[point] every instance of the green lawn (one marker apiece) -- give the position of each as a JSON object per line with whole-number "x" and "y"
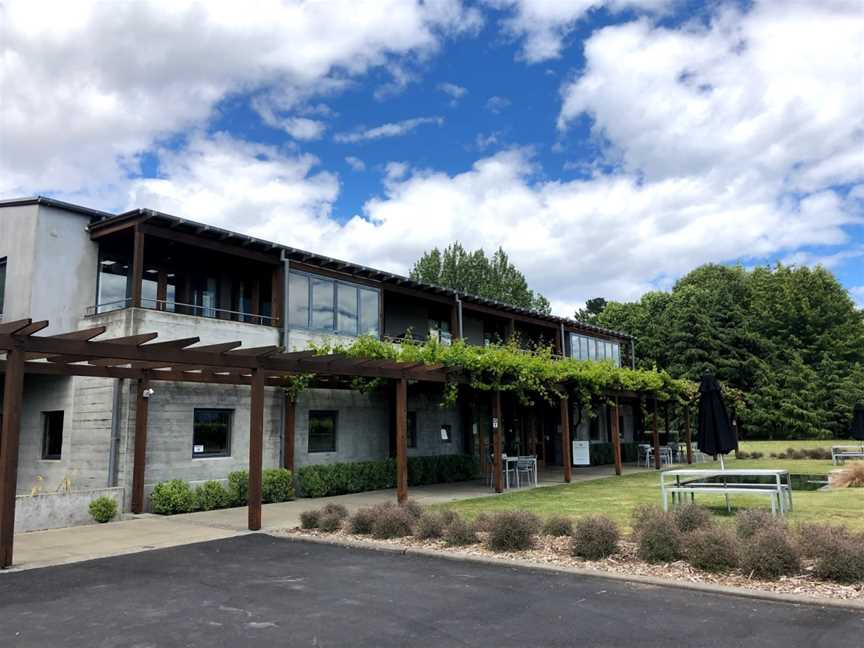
{"x": 781, "y": 446}
{"x": 618, "y": 496}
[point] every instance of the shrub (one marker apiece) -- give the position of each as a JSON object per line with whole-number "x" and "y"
{"x": 838, "y": 552}
{"x": 558, "y": 526}
{"x": 329, "y": 522}
{"x": 741, "y": 454}
{"x": 392, "y": 522}
{"x": 512, "y": 530}
{"x": 173, "y": 496}
{"x": 335, "y": 509}
{"x": 852, "y": 476}
{"x": 818, "y": 453}
{"x": 211, "y": 495}
{"x": 430, "y": 525}
{"x": 643, "y": 515}
{"x": 238, "y": 487}
{"x": 413, "y": 508}
{"x": 659, "y": 539}
{"x": 594, "y": 538}
{"x": 309, "y": 519}
{"x": 362, "y": 520}
{"x": 277, "y": 485}
{"x": 814, "y": 539}
{"x": 482, "y": 523}
{"x": 750, "y": 521}
{"x": 711, "y": 549}
{"x": 691, "y": 517}
{"x": 103, "y": 509}
{"x": 757, "y": 455}
{"x": 770, "y": 553}
{"x": 459, "y": 533}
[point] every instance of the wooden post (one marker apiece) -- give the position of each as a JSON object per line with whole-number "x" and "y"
{"x": 616, "y": 437}
{"x": 454, "y": 321}
{"x": 401, "y": 440}
{"x": 13, "y": 392}
{"x": 139, "y": 462}
{"x": 256, "y": 448}
{"x": 656, "y": 436}
{"x": 565, "y": 439}
{"x": 497, "y": 424}
{"x": 137, "y": 266}
{"x": 288, "y": 433}
{"x": 688, "y": 435}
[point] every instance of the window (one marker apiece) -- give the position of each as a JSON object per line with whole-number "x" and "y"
{"x": 322, "y": 431}
{"x": 211, "y": 435}
{"x": 412, "y": 429}
{"x": 447, "y": 433}
{"x": 52, "y": 435}
{"x": 333, "y": 306}
{"x": 583, "y": 347}
{"x": 113, "y": 290}
{"x": 2, "y": 283}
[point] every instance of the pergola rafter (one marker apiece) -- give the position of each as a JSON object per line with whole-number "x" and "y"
{"x": 138, "y": 358}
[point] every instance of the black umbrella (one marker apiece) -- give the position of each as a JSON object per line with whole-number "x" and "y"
{"x": 858, "y": 422}
{"x": 716, "y": 435}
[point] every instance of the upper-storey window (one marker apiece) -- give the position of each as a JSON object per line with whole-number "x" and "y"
{"x": 585, "y": 347}
{"x": 2, "y": 283}
{"x": 114, "y": 288}
{"x": 323, "y": 304}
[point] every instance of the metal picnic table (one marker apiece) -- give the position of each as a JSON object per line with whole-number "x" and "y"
{"x": 679, "y": 482}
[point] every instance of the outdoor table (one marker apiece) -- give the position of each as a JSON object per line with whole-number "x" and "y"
{"x": 671, "y": 484}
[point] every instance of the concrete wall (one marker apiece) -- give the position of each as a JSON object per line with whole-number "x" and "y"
{"x": 57, "y": 510}
{"x": 18, "y": 244}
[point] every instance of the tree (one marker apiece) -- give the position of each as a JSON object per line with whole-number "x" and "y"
{"x": 476, "y": 274}
{"x": 593, "y": 308}
{"x": 790, "y": 338}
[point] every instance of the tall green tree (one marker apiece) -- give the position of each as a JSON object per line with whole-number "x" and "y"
{"x": 475, "y": 273}
{"x": 790, "y": 337}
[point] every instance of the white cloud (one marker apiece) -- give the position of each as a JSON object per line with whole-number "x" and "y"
{"x": 88, "y": 86}
{"x": 355, "y": 163}
{"x": 392, "y": 129}
{"x": 455, "y": 92}
{"x": 497, "y": 104}
{"x": 544, "y": 24}
{"x": 857, "y": 293}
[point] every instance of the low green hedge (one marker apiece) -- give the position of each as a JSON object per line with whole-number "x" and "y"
{"x": 178, "y": 496}
{"x": 603, "y": 454}
{"x": 322, "y": 480}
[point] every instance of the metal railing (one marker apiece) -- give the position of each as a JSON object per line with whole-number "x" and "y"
{"x": 196, "y": 310}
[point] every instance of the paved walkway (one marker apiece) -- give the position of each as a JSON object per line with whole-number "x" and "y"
{"x": 260, "y": 590}
{"x": 141, "y": 533}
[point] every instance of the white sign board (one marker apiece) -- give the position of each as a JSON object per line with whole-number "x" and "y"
{"x": 197, "y": 449}
{"x": 494, "y": 423}
{"x": 581, "y": 453}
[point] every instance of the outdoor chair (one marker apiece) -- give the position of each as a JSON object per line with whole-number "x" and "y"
{"x": 526, "y": 466}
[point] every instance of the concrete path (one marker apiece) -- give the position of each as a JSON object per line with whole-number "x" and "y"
{"x": 59, "y": 546}
{"x": 259, "y": 590}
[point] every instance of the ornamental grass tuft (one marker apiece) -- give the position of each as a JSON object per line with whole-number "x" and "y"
{"x": 594, "y": 538}
{"x": 512, "y": 531}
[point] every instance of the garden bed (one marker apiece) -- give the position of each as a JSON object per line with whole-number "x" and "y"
{"x": 552, "y": 551}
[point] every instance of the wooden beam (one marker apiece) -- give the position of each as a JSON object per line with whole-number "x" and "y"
{"x": 565, "y": 439}
{"x": 256, "y": 448}
{"x": 656, "y": 438}
{"x": 33, "y": 327}
{"x": 13, "y": 392}
{"x": 289, "y": 424}
{"x": 12, "y": 327}
{"x": 137, "y": 273}
{"x": 139, "y": 461}
{"x": 616, "y": 438}
{"x": 209, "y": 244}
{"x": 497, "y": 424}
{"x": 688, "y": 435}
{"x": 401, "y": 440}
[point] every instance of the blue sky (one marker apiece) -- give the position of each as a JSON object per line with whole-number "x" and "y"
{"x": 609, "y": 146}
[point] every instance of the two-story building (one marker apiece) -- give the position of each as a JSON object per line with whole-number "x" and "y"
{"x": 145, "y": 271}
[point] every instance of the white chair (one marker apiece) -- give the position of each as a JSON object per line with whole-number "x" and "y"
{"x": 526, "y": 466}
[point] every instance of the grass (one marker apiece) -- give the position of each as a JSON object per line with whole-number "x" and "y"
{"x": 618, "y": 496}
{"x": 781, "y": 446}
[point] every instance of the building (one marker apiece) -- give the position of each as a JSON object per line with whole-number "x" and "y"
{"x": 144, "y": 271}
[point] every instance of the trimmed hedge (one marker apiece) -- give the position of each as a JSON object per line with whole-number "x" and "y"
{"x": 277, "y": 485}
{"x": 172, "y": 496}
{"x": 322, "y": 480}
{"x": 602, "y": 453}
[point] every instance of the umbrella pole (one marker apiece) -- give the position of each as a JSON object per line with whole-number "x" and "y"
{"x": 723, "y": 468}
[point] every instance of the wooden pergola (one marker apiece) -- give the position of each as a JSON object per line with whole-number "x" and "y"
{"x": 138, "y": 358}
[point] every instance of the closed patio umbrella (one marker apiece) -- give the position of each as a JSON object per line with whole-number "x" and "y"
{"x": 858, "y": 422}
{"x": 716, "y": 434}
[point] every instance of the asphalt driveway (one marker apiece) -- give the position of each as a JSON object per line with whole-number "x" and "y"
{"x": 257, "y": 590}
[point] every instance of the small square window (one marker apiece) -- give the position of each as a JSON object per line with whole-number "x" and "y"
{"x": 412, "y": 429}
{"x": 447, "y": 433}
{"x": 211, "y": 435}
{"x": 52, "y": 435}
{"x": 322, "y": 430}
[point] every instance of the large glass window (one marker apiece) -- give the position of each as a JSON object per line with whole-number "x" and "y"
{"x": 584, "y": 347}
{"x": 322, "y": 430}
{"x": 334, "y": 306}
{"x": 211, "y": 435}
{"x": 346, "y": 309}
{"x": 52, "y": 435}
{"x": 113, "y": 280}
{"x": 2, "y": 283}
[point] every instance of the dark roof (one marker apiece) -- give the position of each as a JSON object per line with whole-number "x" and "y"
{"x": 59, "y": 204}
{"x": 295, "y": 254}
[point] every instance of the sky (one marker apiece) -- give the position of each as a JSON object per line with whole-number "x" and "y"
{"x": 608, "y": 146}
